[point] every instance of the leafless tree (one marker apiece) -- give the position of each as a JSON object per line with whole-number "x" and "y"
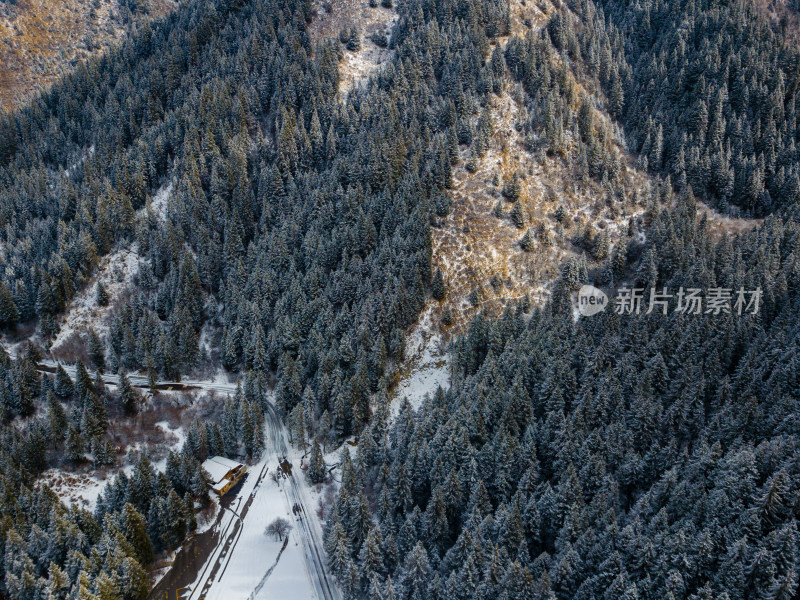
{"x": 279, "y": 528}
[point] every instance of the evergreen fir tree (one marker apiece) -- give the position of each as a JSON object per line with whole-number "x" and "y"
{"x": 316, "y": 465}
{"x": 129, "y": 398}
{"x": 97, "y": 353}
{"x": 101, "y": 295}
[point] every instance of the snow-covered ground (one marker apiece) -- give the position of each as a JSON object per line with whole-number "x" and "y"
{"x": 175, "y": 438}
{"x": 255, "y": 553}
{"x": 427, "y": 364}
{"x": 355, "y": 68}
{"x": 115, "y": 272}
{"x": 83, "y": 490}
{"x": 177, "y": 433}
{"x": 224, "y": 527}
{"x": 79, "y": 490}
{"x": 158, "y": 202}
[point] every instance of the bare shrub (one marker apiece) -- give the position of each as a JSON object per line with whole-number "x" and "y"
{"x": 72, "y": 349}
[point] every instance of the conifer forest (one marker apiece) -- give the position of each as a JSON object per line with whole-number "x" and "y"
{"x": 401, "y": 300}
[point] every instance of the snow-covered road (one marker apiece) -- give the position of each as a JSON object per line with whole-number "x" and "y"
{"x": 306, "y": 523}
{"x": 143, "y": 382}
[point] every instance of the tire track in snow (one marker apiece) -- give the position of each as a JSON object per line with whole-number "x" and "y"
{"x": 269, "y": 571}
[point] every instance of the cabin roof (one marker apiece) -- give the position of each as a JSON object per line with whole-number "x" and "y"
{"x": 218, "y": 467}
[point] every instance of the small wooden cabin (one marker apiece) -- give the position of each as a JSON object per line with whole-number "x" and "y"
{"x": 223, "y": 473}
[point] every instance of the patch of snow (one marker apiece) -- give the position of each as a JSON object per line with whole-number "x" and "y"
{"x": 720, "y": 223}
{"x": 158, "y": 202}
{"x": 177, "y": 433}
{"x": 73, "y": 489}
{"x": 84, "y": 490}
{"x": 427, "y": 364}
{"x": 356, "y": 67}
{"x": 89, "y": 153}
{"x": 175, "y": 439}
{"x": 206, "y": 520}
{"x": 332, "y": 16}
{"x": 158, "y": 575}
{"x": 116, "y": 272}
{"x": 221, "y": 377}
{"x": 205, "y": 341}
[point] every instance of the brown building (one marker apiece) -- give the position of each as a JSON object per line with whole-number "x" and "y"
{"x": 223, "y": 473}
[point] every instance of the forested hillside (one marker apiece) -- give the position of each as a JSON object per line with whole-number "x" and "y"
{"x": 50, "y": 550}
{"x": 296, "y": 236}
{"x": 621, "y": 456}
{"x": 280, "y": 231}
{"x": 707, "y": 92}
{"x": 296, "y": 228}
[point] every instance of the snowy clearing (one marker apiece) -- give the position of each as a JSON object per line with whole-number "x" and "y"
{"x": 78, "y": 490}
{"x": 83, "y": 489}
{"x": 355, "y": 68}
{"x": 116, "y": 272}
{"x": 158, "y": 202}
{"x": 255, "y": 553}
{"x": 426, "y": 367}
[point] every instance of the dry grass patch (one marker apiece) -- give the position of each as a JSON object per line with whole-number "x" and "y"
{"x": 41, "y": 40}
{"x": 477, "y": 246}
{"x": 720, "y": 224}
{"x": 331, "y": 16}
